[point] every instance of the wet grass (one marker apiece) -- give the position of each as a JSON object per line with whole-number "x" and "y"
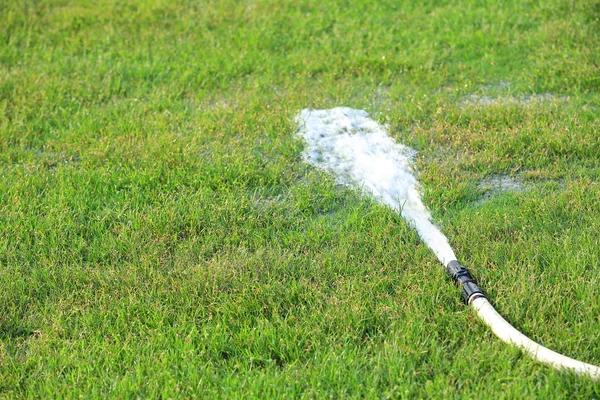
{"x": 160, "y": 236}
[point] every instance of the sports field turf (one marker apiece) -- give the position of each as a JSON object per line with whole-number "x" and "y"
{"x": 161, "y": 237}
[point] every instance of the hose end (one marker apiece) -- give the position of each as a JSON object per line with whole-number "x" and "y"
{"x": 461, "y": 276}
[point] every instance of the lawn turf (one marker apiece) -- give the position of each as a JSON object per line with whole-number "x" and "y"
{"x": 160, "y": 236}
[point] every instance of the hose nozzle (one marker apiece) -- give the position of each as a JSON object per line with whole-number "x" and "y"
{"x": 462, "y": 277}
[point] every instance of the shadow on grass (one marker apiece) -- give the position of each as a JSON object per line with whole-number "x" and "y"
{"x": 14, "y": 332}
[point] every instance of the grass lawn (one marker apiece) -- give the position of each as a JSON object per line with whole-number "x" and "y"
{"x": 161, "y": 237}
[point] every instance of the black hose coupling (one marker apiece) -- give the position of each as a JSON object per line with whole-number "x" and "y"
{"x": 462, "y": 277}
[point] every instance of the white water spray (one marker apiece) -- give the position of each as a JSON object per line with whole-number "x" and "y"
{"x": 357, "y": 151}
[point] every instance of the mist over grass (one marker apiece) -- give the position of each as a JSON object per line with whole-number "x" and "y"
{"x": 161, "y": 237}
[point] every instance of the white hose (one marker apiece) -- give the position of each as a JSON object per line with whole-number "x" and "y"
{"x": 509, "y": 334}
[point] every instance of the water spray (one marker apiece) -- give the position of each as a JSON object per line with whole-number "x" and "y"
{"x": 358, "y": 152}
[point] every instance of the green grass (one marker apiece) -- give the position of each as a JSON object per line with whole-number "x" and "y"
{"x": 160, "y": 236}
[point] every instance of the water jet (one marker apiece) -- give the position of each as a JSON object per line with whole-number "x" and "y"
{"x": 358, "y": 152}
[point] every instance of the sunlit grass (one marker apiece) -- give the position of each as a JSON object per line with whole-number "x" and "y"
{"x": 160, "y": 236}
